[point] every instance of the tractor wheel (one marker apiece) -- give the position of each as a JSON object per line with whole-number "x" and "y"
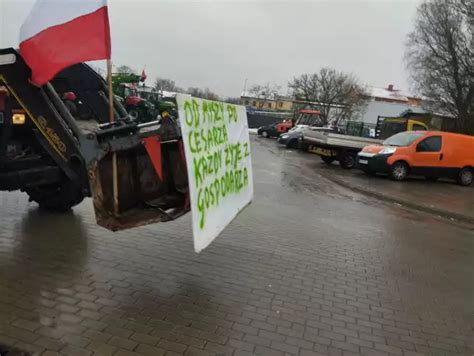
{"x": 399, "y": 171}
{"x": 60, "y": 197}
{"x": 465, "y": 177}
{"x": 133, "y": 112}
{"x": 327, "y": 160}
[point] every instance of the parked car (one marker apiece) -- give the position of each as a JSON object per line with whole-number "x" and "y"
{"x": 431, "y": 154}
{"x": 268, "y": 130}
{"x": 304, "y": 118}
{"x": 293, "y": 138}
{"x": 276, "y": 129}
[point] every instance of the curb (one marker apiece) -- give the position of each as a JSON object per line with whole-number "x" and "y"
{"x": 427, "y": 209}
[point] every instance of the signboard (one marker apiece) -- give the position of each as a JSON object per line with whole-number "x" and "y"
{"x": 217, "y": 148}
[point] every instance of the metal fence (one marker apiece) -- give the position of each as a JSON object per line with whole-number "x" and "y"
{"x": 256, "y": 120}
{"x": 359, "y": 128}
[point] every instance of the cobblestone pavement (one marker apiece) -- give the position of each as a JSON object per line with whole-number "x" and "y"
{"x": 444, "y": 197}
{"x": 309, "y": 268}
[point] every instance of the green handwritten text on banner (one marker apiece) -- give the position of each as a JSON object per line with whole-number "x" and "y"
{"x": 217, "y": 148}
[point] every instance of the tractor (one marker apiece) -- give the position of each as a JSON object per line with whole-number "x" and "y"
{"x": 134, "y": 172}
{"x": 125, "y": 87}
{"x": 156, "y": 98}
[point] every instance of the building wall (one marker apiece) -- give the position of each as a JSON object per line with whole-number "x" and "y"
{"x": 270, "y": 105}
{"x": 414, "y": 102}
{"x": 375, "y": 107}
{"x": 382, "y": 108}
{"x": 284, "y": 105}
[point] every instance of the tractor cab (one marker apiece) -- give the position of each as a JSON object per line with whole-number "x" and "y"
{"x": 139, "y": 108}
{"x": 125, "y": 87}
{"x": 156, "y": 98}
{"x": 130, "y": 94}
{"x": 125, "y": 90}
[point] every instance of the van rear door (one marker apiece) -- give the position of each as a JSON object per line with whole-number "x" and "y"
{"x": 428, "y": 156}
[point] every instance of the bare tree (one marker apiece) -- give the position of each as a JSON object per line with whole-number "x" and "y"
{"x": 124, "y": 70}
{"x": 202, "y": 93}
{"x": 232, "y": 100}
{"x": 440, "y": 57}
{"x": 167, "y": 84}
{"x": 337, "y": 95}
{"x": 265, "y": 94}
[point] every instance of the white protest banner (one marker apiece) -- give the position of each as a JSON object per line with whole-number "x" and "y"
{"x": 217, "y": 148}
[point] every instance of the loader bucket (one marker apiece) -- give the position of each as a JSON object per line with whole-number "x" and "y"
{"x": 151, "y": 185}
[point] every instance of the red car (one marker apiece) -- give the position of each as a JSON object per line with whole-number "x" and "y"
{"x": 305, "y": 117}
{"x": 276, "y": 129}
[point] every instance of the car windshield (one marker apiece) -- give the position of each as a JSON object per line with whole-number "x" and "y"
{"x": 402, "y": 139}
{"x": 309, "y": 119}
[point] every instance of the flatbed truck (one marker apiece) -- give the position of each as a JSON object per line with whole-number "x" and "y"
{"x": 344, "y": 148}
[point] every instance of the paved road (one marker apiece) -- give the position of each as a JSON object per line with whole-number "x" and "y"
{"x": 309, "y": 268}
{"x": 444, "y": 197}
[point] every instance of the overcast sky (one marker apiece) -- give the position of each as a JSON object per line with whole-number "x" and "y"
{"x": 218, "y": 44}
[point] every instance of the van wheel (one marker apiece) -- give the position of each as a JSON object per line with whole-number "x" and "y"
{"x": 465, "y": 177}
{"x": 399, "y": 171}
{"x": 265, "y": 134}
{"x": 327, "y": 160}
{"x": 348, "y": 160}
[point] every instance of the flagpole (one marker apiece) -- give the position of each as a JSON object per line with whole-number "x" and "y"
{"x": 114, "y": 155}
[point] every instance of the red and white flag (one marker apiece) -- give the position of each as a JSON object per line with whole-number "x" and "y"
{"x": 60, "y": 33}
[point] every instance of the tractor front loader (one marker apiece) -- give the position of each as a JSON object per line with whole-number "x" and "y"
{"x": 58, "y": 157}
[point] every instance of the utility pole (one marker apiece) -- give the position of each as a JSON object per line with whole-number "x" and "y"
{"x": 245, "y": 85}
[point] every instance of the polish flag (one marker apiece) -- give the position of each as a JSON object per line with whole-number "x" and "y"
{"x": 60, "y": 33}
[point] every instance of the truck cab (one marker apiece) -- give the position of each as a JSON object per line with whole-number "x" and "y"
{"x": 305, "y": 118}
{"x": 389, "y": 126}
{"x": 308, "y": 118}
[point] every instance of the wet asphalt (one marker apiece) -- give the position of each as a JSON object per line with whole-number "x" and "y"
{"x": 309, "y": 268}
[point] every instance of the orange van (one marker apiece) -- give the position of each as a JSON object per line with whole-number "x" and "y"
{"x": 431, "y": 154}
